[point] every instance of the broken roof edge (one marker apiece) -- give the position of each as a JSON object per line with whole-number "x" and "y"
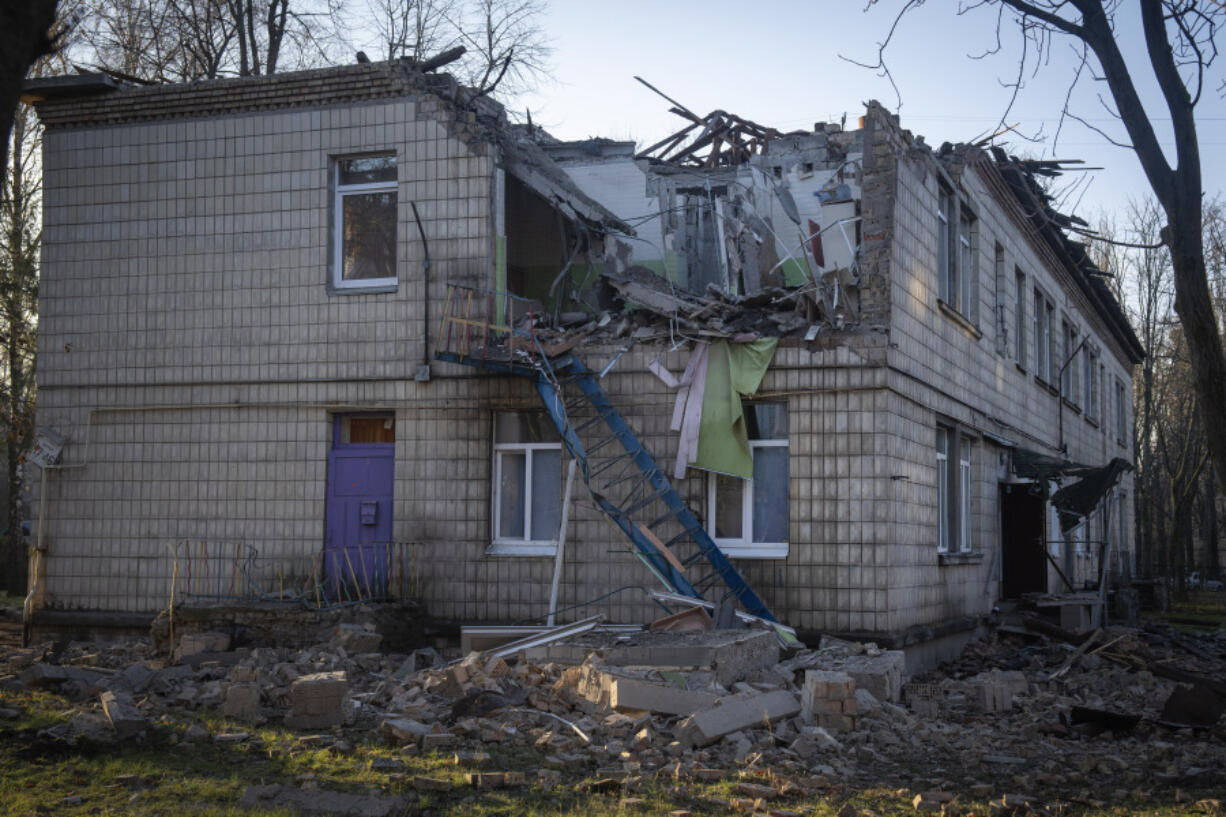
{"x": 527, "y": 161}
{"x": 1068, "y": 254}
{"x": 99, "y": 99}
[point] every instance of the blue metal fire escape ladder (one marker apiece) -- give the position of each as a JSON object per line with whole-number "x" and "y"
{"x": 622, "y": 483}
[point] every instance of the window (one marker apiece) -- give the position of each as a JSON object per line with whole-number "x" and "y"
{"x": 1069, "y": 380}
{"x": 1121, "y": 413}
{"x": 1043, "y": 311}
{"x": 954, "y": 491}
{"x": 1090, "y": 381}
{"x": 1019, "y": 319}
{"x": 955, "y": 253}
{"x": 999, "y": 288}
{"x": 945, "y": 256}
{"x": 527, "y": 476}
{"x": 966, "y": 261}
{"x": 364, "y": 222}
{"x": 749, "y": 519}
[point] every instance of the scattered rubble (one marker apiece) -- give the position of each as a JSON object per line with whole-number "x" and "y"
{"x": 1017, "y": 712}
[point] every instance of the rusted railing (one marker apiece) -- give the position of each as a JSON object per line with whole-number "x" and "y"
{"x": 487, "y": 326}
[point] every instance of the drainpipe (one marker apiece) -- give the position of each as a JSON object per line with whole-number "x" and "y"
{"x": 1060, "y": 402}
{"x": 423, "y": 371}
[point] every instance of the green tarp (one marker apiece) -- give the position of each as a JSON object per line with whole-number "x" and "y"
{"x": 733, "y": 371}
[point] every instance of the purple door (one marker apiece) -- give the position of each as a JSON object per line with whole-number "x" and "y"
{"x": 358, "y": 524}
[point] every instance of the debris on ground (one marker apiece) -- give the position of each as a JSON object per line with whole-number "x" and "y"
{"x": 1016, "y": 714}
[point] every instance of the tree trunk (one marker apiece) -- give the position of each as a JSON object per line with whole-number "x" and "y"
{"x": 23, "y": 39}
{"x": 1213, "y": 564}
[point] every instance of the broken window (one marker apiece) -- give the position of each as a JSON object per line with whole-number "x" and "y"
{"x": 954, "y": 491}
{"x": 527, "y": 479}
{"x": 364, "y": 222}
{"x": 749, "y": 518}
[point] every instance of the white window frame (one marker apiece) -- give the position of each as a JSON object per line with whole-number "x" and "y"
{"x": 956, "y": 257}
{"x": 943, "y": 497}
{"x": 955, "y": 490}
{"x": 744, "y": 547}
{"x": 947, "y": 259}
{"x": 1019, "y": 318}
{"x": 966, "y": 482}
{"x": 526, "y": 546}
{"x": 1044, "y": 312}
{"x": 339, "y": 192}
{"x": 1121, "y": 417}
{"x": 966, "y": 267}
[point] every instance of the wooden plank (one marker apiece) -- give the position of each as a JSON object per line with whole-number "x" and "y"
{"x": 692, "y": 421}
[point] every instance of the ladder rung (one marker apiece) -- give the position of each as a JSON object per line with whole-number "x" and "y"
{"x": 584, "y": 425}
{"x": 642, "y": 503}
{"x": 658, "y": 521}
{"x": 612, "y": 461}
{"x": 594, "y": 447}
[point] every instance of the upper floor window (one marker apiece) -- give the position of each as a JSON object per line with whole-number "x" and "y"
{"x": 1121, "y": 412}
{"x": 749, "y": 519}
{"x": 1090, "y": 381}
{"x": 956, "y": 253}
{"x": 364, "y": 222}
{"x": 1043, "y": 312}
{"x": 1019, "y": 319}
{"x": 1068, "y": 376}
{"x": 999, "y": 288}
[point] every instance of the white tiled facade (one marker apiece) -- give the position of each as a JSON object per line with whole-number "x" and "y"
{"x": 194, "y": 355}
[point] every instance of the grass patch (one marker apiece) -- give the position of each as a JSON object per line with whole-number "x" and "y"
{"x": 1201, "y": 610}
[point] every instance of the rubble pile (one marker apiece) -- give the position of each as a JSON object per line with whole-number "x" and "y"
{"x": 1029, "y": 715}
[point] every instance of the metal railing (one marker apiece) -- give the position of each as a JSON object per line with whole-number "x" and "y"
{"x": 489, "y": 326}
{"x": 211, "y": 573}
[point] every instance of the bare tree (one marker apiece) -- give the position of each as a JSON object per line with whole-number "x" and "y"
{"x": 413, "y": 28}
{"x": 184, "y": 40}
{"x": 506, "y": 45}
{"x": 1180, "y": 51}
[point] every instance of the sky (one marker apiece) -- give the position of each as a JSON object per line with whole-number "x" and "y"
{"x": 779, "y": 63}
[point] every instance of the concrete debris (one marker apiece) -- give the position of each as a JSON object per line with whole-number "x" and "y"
{"x": 1014, "y": 710}
{"x": 317, "y": 701}
{"x": 242, "y": 702}
{"x": 828, "y": 699}
{"x": 734, "y": 714}
{"x": 121, "y": 711}
{"x": 355, "y": 639}
{"x": 195, "y": 643}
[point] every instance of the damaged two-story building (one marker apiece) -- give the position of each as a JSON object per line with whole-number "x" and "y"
{"x": 340, "y": 334}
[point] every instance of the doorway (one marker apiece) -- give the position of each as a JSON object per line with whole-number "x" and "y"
{"x": 1022, "y": 546}
{"x": 358, "y": 515}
